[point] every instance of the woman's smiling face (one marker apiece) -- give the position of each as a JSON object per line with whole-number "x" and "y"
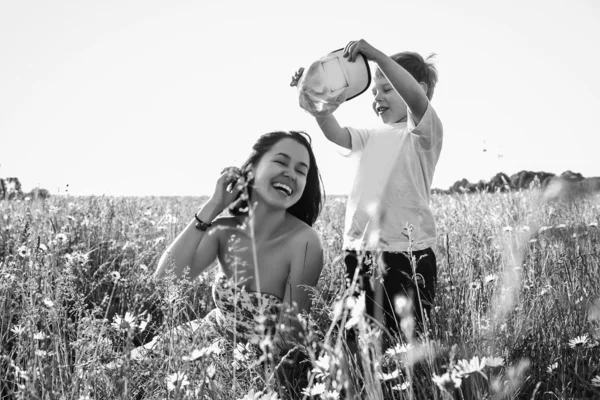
{"x": 280, "y": 175}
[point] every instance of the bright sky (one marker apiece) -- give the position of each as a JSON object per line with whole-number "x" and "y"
{"x": 156, "y": 97}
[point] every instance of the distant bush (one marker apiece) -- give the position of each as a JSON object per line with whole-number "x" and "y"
{"x": 38, "y": 193}
{"x": 10, "y": 189}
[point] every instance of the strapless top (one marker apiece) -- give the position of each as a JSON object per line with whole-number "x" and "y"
{"x": 248, "y": 314}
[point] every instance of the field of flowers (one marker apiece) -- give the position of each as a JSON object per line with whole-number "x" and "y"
{"x": 517, "y": 310}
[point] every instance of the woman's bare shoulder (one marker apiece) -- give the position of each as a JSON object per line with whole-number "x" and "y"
{"x": 302, "y": 233}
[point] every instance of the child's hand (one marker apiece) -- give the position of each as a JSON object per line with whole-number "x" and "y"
{"x": 297, "y": 77}
{"x": 353, "y": 48}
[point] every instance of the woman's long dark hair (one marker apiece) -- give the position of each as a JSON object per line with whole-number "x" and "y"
{"x": 309, "y": 206}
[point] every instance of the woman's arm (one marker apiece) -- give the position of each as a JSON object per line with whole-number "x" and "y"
{"x": 194, "y": 248}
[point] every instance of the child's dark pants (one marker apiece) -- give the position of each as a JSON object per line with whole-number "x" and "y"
{"x": 398, "y": 281}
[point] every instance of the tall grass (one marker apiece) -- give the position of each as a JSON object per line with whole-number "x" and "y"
{"x": 517, "y": 308}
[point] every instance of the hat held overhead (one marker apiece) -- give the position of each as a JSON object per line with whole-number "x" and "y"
{"x": 332, "y": 80}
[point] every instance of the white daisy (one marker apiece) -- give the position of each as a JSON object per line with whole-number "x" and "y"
{"x": 388, "y": 377}
{"x": 61, "y": 238}
{"x": 314, "y": 390}
{"x": 579, "y": 341}
{"x": 177, "y": 380}
{"x": 126, "y": 323}
{"x": 464, "y": 368}
{"x": 494, "y": 362}
{"x": 18, "y": 329}
{"x": 401, "y": 387}
{"x": 399, "y": 349}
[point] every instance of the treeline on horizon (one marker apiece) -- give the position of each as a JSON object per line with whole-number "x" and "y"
{"x": 568, "y": 183}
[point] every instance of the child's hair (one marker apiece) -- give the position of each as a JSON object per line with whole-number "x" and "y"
{"x": 309, "y": 206}
{"x": 421, "y": 69}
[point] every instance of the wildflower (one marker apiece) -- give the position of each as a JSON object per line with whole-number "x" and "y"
{"x": 115, "y": 275}
{"x": 464, "y": 367}
{"x": 23, "y": 251}
{"x": 489, "y": 278}
{"x": 316, "y": 389}
{"x": 545, "y": 290}
{"x": 126, "y": 323}
{"x": 552, "y": 367}
{"x": 593, "y": 224}
{"x": 399, "y": 349}
{"x": 43, "y": 247}
{"x": 39, "y": 336}
{"x": 447, "y": 381}
{"x": 211, "y": 370}
{"x": 177, "y": 380}
{"x": 330, "y": 395}
{"x": 357, "y": 309}
{"x": 48, "y": 303}
{"x": 493, "y": 362}
{"x": 322, "y": 366}
{"x": 18, "y": 330}
{"x": 401, "y": 387}
{"x": 170, "y": 219}
{"x": 41, "y": 353}
{"x": 579, "y": 341}
{"x": 61, "y": 238}
{"x": 388, "y": 377}
{"x": 596, "y": 381}
{"x": 507, "y": 229}
{"x": 76, "y": 258}
{"x": 476, "y": 285}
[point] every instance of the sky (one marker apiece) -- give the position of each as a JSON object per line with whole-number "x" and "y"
{"x": 141, "y": 98}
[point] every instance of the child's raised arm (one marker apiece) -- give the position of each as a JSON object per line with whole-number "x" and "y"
{"x": 411, "y": 91}
{"x": 334, "y": 132}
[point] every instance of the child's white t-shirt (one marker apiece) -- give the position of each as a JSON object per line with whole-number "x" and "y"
{"x": 392, "y": 186}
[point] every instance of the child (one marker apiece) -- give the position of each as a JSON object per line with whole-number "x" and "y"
{"x": 391, "y": 190}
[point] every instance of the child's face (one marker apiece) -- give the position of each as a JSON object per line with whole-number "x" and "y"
{"x": 387, "y": 102}
{"x": 280, "y": 176}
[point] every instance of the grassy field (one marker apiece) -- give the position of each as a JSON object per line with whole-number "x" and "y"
{"x": 517, "y": 311}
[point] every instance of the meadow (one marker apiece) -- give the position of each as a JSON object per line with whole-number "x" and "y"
{"x": 517, "y": 308}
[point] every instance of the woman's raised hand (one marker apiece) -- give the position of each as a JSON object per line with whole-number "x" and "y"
{"x": 229, "y": 185}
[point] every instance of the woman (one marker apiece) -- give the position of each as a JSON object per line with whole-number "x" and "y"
{"x": 267, "y": 250}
